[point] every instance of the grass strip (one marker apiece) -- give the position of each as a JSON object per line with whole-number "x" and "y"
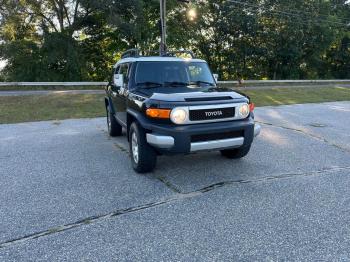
{"x": 287, "y": 96}
{"x": 16, "y": 109}
{"x": 54, "y": 88}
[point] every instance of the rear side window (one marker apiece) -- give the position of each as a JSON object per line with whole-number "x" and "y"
{"x": 124, "y": 70}
{"x": 114, "y": 72}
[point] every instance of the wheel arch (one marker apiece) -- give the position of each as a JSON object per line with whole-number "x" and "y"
{"x": 130, "y": 118}
{"x": 134, "y": 116}
{"x": 109, "y": 104}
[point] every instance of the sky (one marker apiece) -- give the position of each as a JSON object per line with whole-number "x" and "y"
{"x": 2, "y": 64}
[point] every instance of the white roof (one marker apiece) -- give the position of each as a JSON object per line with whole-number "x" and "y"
{"x": 156, "y": 59}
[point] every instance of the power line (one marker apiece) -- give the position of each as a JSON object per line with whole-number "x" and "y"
{"x": 305, "y": 13}
{"x": 284, "y": 12}
{"x": 302, "y": 22}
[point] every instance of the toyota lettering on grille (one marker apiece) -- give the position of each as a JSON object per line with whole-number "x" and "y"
{"x": 213, "y": 113}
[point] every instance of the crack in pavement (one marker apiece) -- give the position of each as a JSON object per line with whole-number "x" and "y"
{"x": 122, "y": 148}
{"x": 273, "y": 177}
{"x": 176, "y": 197}
{"x": 175, "y": 189}
{"x": 322, "y": 139}
{"x": 79, "y": 223}
{"x": 169, "y": 185}
{"x": 162, "y": 179}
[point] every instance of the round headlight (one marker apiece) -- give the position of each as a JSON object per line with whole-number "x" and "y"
{"x": 244, "y": 110}
{"x": 178, "y": 115}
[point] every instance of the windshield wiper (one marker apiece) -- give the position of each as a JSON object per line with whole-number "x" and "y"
{"x": 149, "y": 84}
{"x": 198, "y": 83}
{"x": 175, "y": 83}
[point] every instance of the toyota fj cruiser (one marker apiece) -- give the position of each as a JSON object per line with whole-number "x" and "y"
{"x": 172, "y": 105}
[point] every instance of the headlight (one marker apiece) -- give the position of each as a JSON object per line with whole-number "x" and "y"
{"x": 178, "y": 115}
{"x": 244, "y": 110}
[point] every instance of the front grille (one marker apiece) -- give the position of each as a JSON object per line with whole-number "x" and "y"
{"x": 216, "y": 136}
{"x": 212, "y": 114}
{"x": 215, "y": 98}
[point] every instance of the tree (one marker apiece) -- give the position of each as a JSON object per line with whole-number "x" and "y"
{"x": 61, "y": 40}
{"x": 41, "y": 39}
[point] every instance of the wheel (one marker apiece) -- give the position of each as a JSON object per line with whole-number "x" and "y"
{"x": 143, "y": 156}
{"x": 114, "y": 128}
{"x": 235, "y": 153}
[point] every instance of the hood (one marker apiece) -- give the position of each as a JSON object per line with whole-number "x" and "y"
{"x": 190, "y": 94}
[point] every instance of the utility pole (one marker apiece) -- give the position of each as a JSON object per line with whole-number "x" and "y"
{"x": 162, "y": 50}
{"x": 163, "y": 47}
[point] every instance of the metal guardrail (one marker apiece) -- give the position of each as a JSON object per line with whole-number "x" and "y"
{"x": 287, "y": 81}
{"x": 250, "y": 82}
{"x": 53, "y": 83}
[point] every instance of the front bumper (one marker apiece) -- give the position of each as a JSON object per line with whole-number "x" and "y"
{"x": 177, "y": 139}
{"x": 217, "y": 144}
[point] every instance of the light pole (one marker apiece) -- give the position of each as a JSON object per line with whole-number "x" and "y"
{"x": 162, "y": 50}
{"x": 163, "y": 47}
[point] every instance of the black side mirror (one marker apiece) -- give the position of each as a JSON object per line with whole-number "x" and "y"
{"x": 115, "y": 88}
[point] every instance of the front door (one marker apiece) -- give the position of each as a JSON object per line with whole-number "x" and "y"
{"x": 120, "y": 93}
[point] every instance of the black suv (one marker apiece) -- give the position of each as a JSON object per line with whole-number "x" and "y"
{"x": 172, "y": 105}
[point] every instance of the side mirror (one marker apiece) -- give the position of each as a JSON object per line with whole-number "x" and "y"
{"x": 118, "y": 80}
{"x": 216, "y": 77}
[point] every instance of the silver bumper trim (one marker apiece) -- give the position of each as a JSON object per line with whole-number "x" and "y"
{"x": 217, "y": 144}
{"x": 160, "y": 141}
{"x": 257, "y": 130}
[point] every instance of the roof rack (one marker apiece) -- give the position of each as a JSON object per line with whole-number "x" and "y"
{"x": 135, "y": 52}
{"x": 131, "y": 53}
{"x": 174, "y": 52}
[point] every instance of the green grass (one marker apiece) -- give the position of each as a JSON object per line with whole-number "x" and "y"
{"x": 286, "y": 96}
{"x": 15, "y": 109}
{"x": 56, "y": 88}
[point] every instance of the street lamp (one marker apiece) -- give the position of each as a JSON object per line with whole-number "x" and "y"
{"x": 192, "y": 15}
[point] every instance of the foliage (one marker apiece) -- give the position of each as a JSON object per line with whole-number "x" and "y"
{"x": 72, "y": 40}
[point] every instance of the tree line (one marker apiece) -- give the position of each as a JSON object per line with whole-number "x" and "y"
{"x": 76, "y": 40}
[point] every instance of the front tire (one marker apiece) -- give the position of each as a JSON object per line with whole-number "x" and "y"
{"x": 235, "y": 153}
{"x": 114, "y": 128}
{"x": 143, "y": 156}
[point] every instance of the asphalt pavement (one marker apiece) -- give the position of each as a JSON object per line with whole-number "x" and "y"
{"x": 68, "y": 193}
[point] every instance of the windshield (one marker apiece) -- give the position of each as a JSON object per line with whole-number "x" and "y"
{"x": 176, "y": 73}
